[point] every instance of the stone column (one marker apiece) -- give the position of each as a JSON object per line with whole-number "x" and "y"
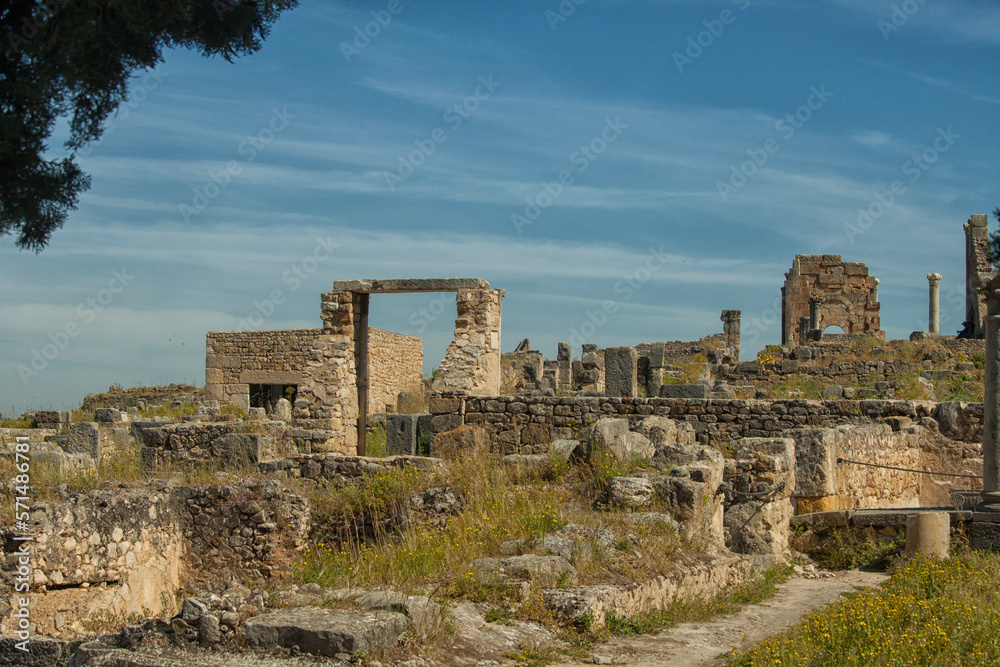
{"x": 564, "y": 366}
{"x": 934, "y": 315}
{"x": 731, "y": 327}
{"x": 875, "y": 290}
{"x": 814, "y": 303}
{"x": 985, "y": 532}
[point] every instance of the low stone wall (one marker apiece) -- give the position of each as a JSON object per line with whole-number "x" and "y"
{"x": 113, "y": 553}
{"x": 858, "y": 467}
{"x": 341, "y": 468}
{"x": 718, "y": 422}
{"x": 395, "y": 364}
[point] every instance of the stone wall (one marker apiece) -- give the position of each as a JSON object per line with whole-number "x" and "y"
{"x": 472, "y": 361}
{"x": 395, "y": 364}
{"x": 113, "y": 553}
{"x": 847, "y": 291}
{"x": 718, "y": 422}
{"x": 321, "y": 364}
{"x": 830, "y": 474}
{"x": 236, "y": 359}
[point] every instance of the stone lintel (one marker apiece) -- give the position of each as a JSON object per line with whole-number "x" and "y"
{"x": 396, "y": 285}
{"x": 271, "y": 377}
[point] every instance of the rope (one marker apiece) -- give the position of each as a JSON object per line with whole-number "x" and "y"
{"x": 924, "y": 472}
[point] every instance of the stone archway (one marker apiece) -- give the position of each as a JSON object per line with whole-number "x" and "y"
{"x": 847, "y": 295}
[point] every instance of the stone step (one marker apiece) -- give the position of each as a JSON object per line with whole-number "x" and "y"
{"x": 325, "y": 632}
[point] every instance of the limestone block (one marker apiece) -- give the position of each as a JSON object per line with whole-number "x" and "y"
{"x": 613, "y": 436}
{"x": 401, "y": 434}
{"x": 815, "y": 462}
{"x": 832, "y": 391}
{"x": 84, "y": 438}
{"x": 630, "y": 492}
{"x": 411, "y": 403}
{"x": 756, "y": 527}
{"x": 107, "y": 415}
{"x": 665, "y": 431}
{"x": 325, "y": 632}
{"x": 684, "y": 391}
{"x": 620, "y": 371}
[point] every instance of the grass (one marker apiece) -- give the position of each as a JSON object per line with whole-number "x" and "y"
{"x": 930, "y": 612}
{"x": 375, "y": 441}
{"x": 495, "y": 511}
{"x": 16, "y": 423}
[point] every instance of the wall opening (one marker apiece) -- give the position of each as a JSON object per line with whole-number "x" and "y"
{"x": 267, "y": 395}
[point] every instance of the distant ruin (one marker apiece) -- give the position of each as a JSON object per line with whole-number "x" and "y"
{"x": 821, "y": 291}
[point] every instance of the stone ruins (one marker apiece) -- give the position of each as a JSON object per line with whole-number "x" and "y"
{"x": 825, "y": 430}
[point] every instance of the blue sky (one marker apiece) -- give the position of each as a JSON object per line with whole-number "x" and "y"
{"x": 624, "y": 169}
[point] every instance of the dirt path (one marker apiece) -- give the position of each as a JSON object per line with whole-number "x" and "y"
{"x": 700, "y": 644}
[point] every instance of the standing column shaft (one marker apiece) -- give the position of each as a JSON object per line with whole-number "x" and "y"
{"x": 933, "y": 310}
{"x": 814, "y": 302}
{"x": 875, "y": 291}
{"x": 991, "y": 407}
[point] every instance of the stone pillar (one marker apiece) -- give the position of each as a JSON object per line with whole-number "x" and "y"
{"x": 590, "y": 368}
{"x": 875, "y": 291}
{"x": 731, "y": 327}
{"x": 472, "y": 362}
{"x": 814, "y": 304}
{"x": 564, "y": 366}
{"x": 654, "y": 374}
{"x": 985, "y": 532}
{"x": 928, "y": 534}
{"x": 933, "y": 309}
{"x": 620, "y": 371}
{"x": 803, "y": 330}
{"x": 977, "y": 266}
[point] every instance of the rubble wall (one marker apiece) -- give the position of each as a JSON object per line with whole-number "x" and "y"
{"x": 395, "y": 364}
{"x": 113, "y": 553}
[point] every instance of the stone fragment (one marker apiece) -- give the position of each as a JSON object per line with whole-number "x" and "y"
{"x": 630, "y": 492}
{"x": 684, "y": 391}
{"x": 620, "y": 371}
{"x": 325, "y": 632}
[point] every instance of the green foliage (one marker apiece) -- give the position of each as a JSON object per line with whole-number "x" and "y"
{"x": 16, "y": 423}
{"x": 375, "y": 443}
{"x": 174, "y": 412}
{"x": 850, "y": 549}
{"x": 76, "y": 60}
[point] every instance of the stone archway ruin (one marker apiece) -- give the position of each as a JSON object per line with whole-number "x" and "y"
{"x": 842, "y": 294}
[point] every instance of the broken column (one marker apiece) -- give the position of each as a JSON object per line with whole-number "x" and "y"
{"x": 620, "y": 371}
{"x": 564, "y": 366}
{"x": 933, "y": 310}
{"x": 814, "y": 304}
{"x": 654, "y": 373}
{"x": 875, "y": 290}
{"x": 590, "y": 368}
{"x": 985, "y": 530}
{"x": 731, "y": 328}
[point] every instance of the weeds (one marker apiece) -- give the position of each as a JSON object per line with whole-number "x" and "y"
{"x": 930, "y": 612}
{"x": 849, "y": 549}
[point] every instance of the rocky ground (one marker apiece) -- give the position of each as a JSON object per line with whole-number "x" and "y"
{"x": 472, "y": 641}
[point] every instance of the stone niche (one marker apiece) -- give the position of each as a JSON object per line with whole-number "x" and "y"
{"x": 847, "y": 294}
